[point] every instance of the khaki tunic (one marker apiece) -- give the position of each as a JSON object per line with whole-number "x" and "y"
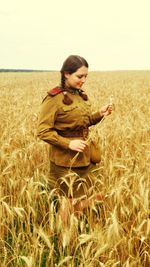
{"x": 55, "y": 116}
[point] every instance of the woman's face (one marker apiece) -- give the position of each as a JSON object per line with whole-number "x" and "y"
{"x": 76, "y": 79}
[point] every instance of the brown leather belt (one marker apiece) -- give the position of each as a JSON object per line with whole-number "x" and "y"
{"x": 76, "y": 133}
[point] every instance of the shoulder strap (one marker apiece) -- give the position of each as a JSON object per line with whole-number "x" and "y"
{"x": 55, "y": 91}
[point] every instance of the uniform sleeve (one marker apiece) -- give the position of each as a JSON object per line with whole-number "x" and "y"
{"x": 46, "y": 130}
{"x": 95, "y": 118}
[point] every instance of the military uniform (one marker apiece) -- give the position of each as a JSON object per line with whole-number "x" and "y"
{"x": 60, "y": 123}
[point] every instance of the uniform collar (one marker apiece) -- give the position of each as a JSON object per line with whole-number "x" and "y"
{"x": 72, "y": 90}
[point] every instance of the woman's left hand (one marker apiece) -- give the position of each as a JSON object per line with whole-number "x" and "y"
{"x": 106, "y": 110}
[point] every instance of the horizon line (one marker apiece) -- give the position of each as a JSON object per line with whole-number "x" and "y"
{"x": 40, "y": 70}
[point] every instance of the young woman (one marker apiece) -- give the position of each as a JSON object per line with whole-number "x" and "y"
{"x": 64, "y": 123}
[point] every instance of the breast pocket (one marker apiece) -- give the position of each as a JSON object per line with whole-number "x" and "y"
{"x": 74, "y": 115}
{"x": 69, "y": 114}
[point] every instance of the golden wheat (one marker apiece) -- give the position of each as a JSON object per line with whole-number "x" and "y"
{"x": 114, "y": 232}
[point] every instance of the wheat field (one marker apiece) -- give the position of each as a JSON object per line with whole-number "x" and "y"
{"x": 114, "y": 232}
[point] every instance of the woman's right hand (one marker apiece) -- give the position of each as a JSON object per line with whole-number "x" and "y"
{"x": 77, "y": 145}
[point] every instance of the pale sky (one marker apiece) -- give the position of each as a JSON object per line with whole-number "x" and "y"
{"x": 40, "y": 34}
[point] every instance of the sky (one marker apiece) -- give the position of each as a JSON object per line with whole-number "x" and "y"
{"x": 40, "y": 34}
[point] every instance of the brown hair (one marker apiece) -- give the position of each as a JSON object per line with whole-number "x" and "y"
{"x": 71, "y": 65}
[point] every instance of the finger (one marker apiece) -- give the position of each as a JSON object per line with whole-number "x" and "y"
{"x": 81, "y": 148}
{"x": 83, "y": 144}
